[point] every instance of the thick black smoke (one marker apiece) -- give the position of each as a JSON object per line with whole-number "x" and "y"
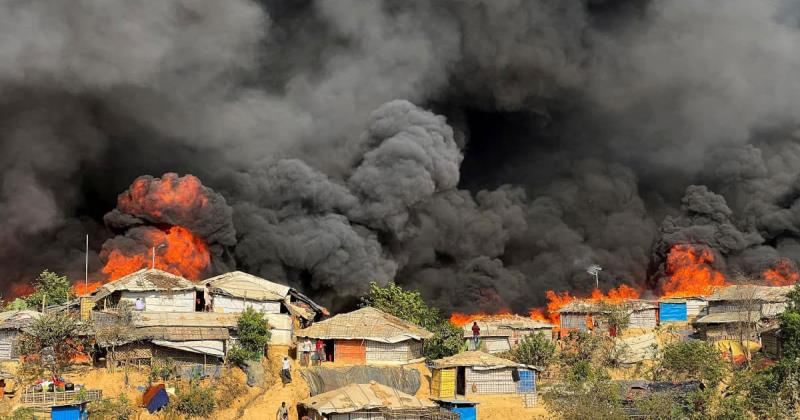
{"x": 480, "y": 151}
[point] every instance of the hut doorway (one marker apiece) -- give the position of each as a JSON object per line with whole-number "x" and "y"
{"x": 199, "y": 301}
{"x": 461, "y": 380}
{"x": 329, "y": 350}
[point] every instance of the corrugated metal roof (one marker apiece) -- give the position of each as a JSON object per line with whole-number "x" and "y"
{"x": 476, "y": 359}
{"x": 752, "y": 292}
{"x": 728, "y": 317}
{"x": 143, "y": 281}
{"x": 248, "y": 286}
{"x": 17, "y": 319}
{"x": 185, "y": 319}
{"x": 366, "y": 323}
{"x": 357, "y": 397}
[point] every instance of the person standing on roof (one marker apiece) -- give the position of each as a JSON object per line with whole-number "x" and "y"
{"x": 476, "y": 335}
{"x": 283, "y": 412}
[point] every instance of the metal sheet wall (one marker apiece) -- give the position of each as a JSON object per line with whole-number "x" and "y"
{"x": 443, "y": 383}
{"x": 645, "y": 318}
{"x": 672, "y": 311}
{"x": 695, "y": 306}
{"x": 229, "y": 304}
{"x": 350, "y": 351}
{"x": 174, "y": 301}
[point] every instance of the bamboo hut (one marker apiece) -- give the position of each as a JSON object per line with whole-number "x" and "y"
{"x": 475, "y": 372}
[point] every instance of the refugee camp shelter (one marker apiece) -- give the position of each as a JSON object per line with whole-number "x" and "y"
{"x": 368, "y": 335}
{"x": 234, "y": 291}
{"x": 739, "y": 310}
{"x": 11, "y": 322}
{"x": 475, "y": 372}
{"x": 196, "y": 341}
{"x": 161, "y": 292}
{"x": 772, "y": 342}
{"x": 371, "y": 401}
{"x": 503, "y": 332}
{"x": 680, "y": 309}
{"x": 585, "y": 315}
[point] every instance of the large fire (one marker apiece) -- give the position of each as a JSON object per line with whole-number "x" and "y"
{"x": 177, "y": 251}
{"x": 784, "y": 273}
{"x": 690, "y": 272}
{"x": 459, "y": 319}
{"x": 170, "y": 196}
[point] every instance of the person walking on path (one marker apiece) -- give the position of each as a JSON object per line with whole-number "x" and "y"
{"x": 283, "y": 412}
{"x": 476, "y": 335}
{"x": 286, "y": 374}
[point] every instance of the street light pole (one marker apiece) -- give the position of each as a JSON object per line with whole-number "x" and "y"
{"x": 153, "y": 267}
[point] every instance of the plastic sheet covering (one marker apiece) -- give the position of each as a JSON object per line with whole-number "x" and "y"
{"x": 632, "y": 350}
{"x": 322, "y": 379}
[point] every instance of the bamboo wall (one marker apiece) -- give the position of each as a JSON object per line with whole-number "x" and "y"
{"x": 393, "y": 352}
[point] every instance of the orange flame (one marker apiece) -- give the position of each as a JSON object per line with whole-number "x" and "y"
{"x": 459, "y": 319}
{"x": 82, "y": 288}
{"x": 784, "y": 273}
{"x": 691, "y": 273}
{"x": 153, "y": 197}
{"x": 556, "y": 301}
{"x": 184, "y": 255}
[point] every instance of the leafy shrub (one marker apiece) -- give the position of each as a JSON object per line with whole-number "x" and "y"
{"x": 535, "y": 350}
{"x": 253, "y": 335}
{"x": 50, "y": 289}
{"x": 22, "y": 413}
{"x": 196, "y": 401}
{"x": 685, "y": 360}
{"x": 110, "y": 408}
{"x": 162, "y": 369}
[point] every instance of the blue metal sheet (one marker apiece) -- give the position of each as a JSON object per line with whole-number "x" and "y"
{"x": 70, "y": 412}
{"x": 466, "y": 413}
{"x": 673, "y": 311}
{"x": 527, "y": 381}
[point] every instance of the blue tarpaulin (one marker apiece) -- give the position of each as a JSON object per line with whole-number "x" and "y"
{"x": 68, "y": 412}
{"x": 672, "y": 311}
{"x": 467, "y": 410}
{"x": 159, "y": 400}
{"x": 527, "y": 381}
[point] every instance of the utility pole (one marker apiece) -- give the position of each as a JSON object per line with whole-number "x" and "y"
{"x": 86, "y": 268}
{"x": 154, "y": 254}
{"x": 595, "y": 270}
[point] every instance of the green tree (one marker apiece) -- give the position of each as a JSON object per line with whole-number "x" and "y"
{"x": 61, "y": 333}
{"x": 196, "y": 401}
{"x": 535, "y": 350}
{"x": 409, "y": 305}
{"x": 252, "y": 336}
{"x": 50, "y": 289}
{"x": 685, "y": 360}
{"x": 586, "y": 396}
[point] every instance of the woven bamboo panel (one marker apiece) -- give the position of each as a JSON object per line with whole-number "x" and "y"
{"x": 495, "y": 381}
{"x": 350, "y": 351}
{"x": 395, "y": 352}
{"x": 357, "y": 416}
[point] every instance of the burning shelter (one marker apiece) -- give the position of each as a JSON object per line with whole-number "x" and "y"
{"x": 475, "y": 372}
{"x": 585, "y": 315}
{"x": 371, "y": 401}
{"x": 741, "y": 312}
{"x": 681, "y": 309}
{"x": 369, "y": 335}
{"x": 503, "y": 332}
{"x": 159, "y": 290}
{"x": 11, "y": 323}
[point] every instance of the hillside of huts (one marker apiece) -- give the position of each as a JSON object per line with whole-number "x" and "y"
{"x": 149, "y": 342}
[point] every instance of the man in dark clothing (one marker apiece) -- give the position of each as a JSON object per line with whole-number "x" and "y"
{"x": 476, "y": 335}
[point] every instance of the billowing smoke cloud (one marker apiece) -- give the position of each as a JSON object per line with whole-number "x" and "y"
{"x": 479, "y": 151}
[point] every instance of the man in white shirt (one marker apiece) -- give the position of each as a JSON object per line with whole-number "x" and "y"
{"x": 286, "y": 374}
{"x": 306, "y": 348}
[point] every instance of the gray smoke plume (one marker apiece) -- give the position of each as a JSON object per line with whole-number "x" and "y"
{"x": 479, "y": 151}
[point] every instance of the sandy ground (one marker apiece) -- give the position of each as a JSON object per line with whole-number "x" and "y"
{"x": 259, "y": 403}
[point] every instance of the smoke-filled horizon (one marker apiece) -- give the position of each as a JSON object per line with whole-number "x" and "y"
{"x": 481, "y": 152}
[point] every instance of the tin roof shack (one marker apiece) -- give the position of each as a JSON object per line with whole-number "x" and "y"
{"x": 371, "y": 401}
{"x": 476, "y": 372}
{"x": 741, "y": 312}
{"x": 11, "y": 322}
{"x": 369, "y": 335}
{"x": 160, "y": 291}
{"x": 197, "y": 341}
{"x": 502, "y": 333}
{"x": 286, "y": 309}
{"x": 590, "y": 315}
{"x": 681, "y": 309}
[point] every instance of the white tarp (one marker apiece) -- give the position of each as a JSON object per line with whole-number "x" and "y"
{"x": 209, "y": 347}
{"x": 636, "y": 349}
